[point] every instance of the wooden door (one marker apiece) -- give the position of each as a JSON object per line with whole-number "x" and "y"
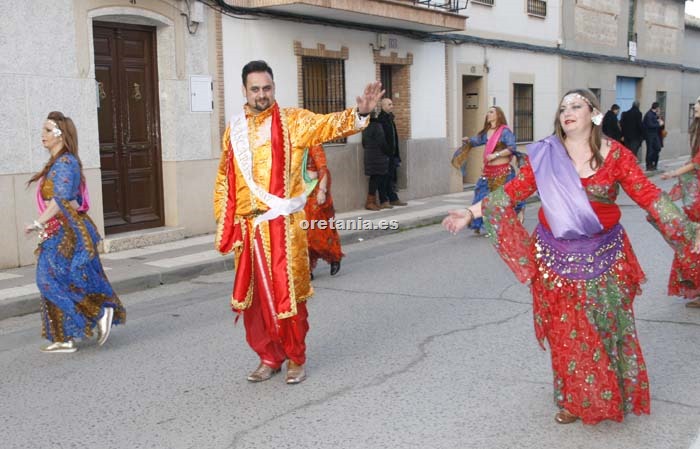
{"x": 129, "y": 127}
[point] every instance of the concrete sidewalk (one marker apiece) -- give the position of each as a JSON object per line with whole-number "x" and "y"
{"x": 167, "y": 263}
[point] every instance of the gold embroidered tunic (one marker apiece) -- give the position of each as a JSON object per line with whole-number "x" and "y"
{"x": 236, "y": 206}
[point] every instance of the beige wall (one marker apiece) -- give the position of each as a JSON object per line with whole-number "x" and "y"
{"x": 189, "y": 187}
{"x": 18, "y": 203}
{"x": 601, "y": 26}
{"x": 64, "y": 80}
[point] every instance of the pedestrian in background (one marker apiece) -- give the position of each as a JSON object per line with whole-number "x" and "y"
{"x": 377, "y": 159}
{"x": 386, "y": 118}
{"x": 652, "y": 127}
{"x": 611, "y": 126}
{"x": 324, "y": 241}
{"x": 76, "y": 297}
{"x": 685, "y": 280}
{"x": 582, "y": 271}
{"x": 632, "y": 130}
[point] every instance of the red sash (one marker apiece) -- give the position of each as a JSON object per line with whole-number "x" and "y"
{"x": 270, "y": 281}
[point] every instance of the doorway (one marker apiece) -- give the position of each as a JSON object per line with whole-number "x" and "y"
{"x": 129, "y": 126}
{"x": 472, "y": 122}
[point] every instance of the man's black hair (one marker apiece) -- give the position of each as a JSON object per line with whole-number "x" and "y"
{"x": 255, "y": 66}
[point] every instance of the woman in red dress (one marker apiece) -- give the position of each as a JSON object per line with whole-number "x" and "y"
{"x": 582, "y": 271}
{"x": 685, "y": 279}
{"x": 323, "y": 243}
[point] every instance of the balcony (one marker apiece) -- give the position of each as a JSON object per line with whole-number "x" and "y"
{"x": 409, "y": 15}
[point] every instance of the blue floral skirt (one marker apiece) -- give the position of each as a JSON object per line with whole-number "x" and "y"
{"x": 73, "y": 286}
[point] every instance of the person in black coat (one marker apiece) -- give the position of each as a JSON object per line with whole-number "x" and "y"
{"x": 386, "y": 118}
{"x": 611, "y": 126}
{"x": 632, "y": 131}
{"x": 652, "y": 126}
{"x": 377, "y": 158}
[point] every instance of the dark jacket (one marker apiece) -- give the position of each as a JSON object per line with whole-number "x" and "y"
{"x": 392, "y": 137}
{"x": 631, "y": 123}
{"x": 611, "y": 127}
{"x": 376, "y": 154}
{"x": 651, "y": 122}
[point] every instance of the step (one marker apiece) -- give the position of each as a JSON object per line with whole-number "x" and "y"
{"x": 143, "y": 237}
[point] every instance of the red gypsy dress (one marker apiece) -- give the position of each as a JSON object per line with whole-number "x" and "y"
{"x": 684, "y": 279}
{"x": 599, "y": 370}
{"x": 323, "y": 243}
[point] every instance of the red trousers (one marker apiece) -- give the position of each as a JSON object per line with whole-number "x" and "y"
{"x": 292, "y": 335}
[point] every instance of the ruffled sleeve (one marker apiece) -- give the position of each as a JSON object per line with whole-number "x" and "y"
{"x": 510, "y": 238}
{"x": 663, "y": 214}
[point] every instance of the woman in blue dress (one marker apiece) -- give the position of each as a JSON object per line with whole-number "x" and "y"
{"x": 76, "y": 297}
{"x": 500, "y": 149}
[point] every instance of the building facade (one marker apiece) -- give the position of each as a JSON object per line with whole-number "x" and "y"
{"x": 151, "y": 84}
{"x": 123, "y": 71}
{"x": 627, "y": 50}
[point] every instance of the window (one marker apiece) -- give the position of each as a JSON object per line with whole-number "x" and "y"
{"x": 537, "y": 8}
{"x": 522, "y": 112}
{"x": 385, "y": 72}
{"x": 596, "y": 92}
{"x": 483, "y": 2}
{"x": 323, "y": 84}
{"x": 323, "y": 81}
{"x": 661, "y": 99}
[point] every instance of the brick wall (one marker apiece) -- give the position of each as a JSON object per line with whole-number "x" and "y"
{"x": 401, "y": 84}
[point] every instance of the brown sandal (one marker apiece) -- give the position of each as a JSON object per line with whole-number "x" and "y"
{"x": 564, "y": 417}
{"x": 694, "y": 304}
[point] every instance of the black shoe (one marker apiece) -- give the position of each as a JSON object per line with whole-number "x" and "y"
{"x": 312, "y": 276}
{"x": 335, "y": 268}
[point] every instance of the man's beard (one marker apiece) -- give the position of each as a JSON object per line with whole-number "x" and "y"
{"x": 261, "y": 105}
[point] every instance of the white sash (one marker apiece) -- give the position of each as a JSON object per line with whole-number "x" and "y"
{"x": 244, "y": 158}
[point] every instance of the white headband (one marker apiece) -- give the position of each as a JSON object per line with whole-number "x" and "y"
{"x": 56, "y": 131}
{"x": 596, "y": 118}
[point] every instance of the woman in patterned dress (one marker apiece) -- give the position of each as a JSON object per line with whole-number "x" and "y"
{"x": 685, "y": 280}
{"x": 582, "y": 271}
{"x": 76, "y": 297}
{"x": 323, "y": 243}
{"x": 500, "y": 149}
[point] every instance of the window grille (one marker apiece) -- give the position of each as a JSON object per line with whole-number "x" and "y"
{"x": 323, "y": 81}
{"x": 523, "y": 112}
{"x": 537, "y": 8}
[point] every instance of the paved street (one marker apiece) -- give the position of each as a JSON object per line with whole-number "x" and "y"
{"x": 423, "y": 340}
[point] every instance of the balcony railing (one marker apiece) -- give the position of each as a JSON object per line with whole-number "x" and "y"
{"x": 447, "y": 5}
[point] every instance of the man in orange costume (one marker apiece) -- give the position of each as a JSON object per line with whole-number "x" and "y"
{"x": 259, "y": 200}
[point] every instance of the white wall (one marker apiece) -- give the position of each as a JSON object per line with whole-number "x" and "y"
{"x": 508, "y": 19}
{"x": 428, "y": 115}
{"x": 506, "y": 67}
{"x": 273, "y": 41}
